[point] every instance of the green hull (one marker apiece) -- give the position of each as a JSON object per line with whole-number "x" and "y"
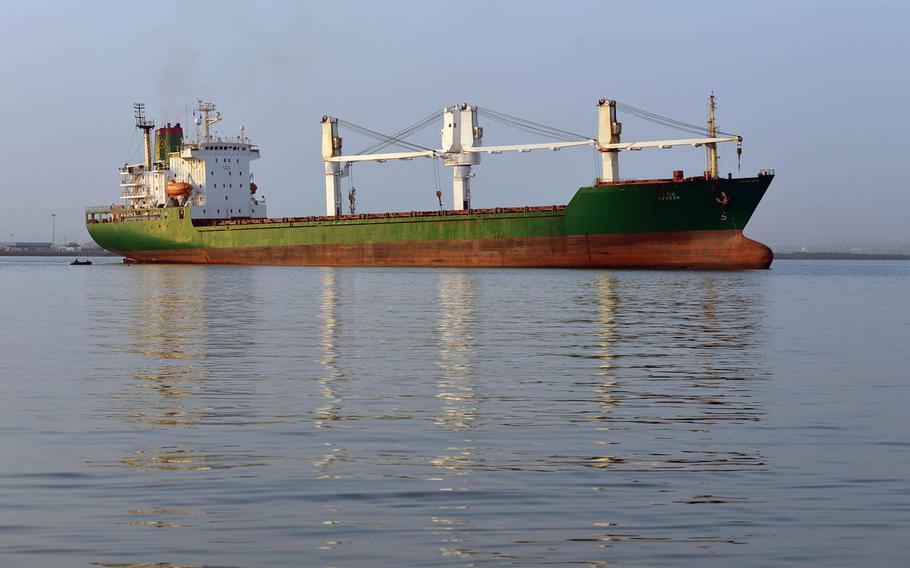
{"x": 681, "y": 214}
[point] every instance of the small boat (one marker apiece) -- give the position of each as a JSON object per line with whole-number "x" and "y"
{"x": 78, "y": 262}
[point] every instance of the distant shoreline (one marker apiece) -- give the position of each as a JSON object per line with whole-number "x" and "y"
{"x": 60, "y": 253}
{"x": 839, "y": 256}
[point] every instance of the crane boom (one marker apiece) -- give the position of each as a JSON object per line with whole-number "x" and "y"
{"x": 462, "y": 146}
{"x": 384, "y": 157}
{"x": 669, "y": 143}
{"x": 555, "y": 145}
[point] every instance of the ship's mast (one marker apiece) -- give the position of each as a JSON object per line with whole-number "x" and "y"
{"x": 711, "y": 148}
{"x": 209, "y": 117}
{"x": 146, "y": 126}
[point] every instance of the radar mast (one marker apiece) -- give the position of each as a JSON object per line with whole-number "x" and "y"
{"x": 146, "y": 126}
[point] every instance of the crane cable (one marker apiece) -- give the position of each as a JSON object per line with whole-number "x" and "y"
{"x": 400, "y": 136}
{"x": 397, "y": 139}
{"x": 385, "y": 138}
{"x": 529, "y": 125}
{"x": 666, "y": 121}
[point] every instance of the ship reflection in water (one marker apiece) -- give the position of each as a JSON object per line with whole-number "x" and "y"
{"x": 173, "y": 389}
{"x": 686, "y": 377}
{"x": 456, "y": 337}
{"x": 503, "y": 416}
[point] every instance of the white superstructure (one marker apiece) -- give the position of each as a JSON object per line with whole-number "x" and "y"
{"x": 210, "y": 173}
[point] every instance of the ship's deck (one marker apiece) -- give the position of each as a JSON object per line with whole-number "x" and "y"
{"x": 117, "y": 213}
{"x": 390, "y": 215}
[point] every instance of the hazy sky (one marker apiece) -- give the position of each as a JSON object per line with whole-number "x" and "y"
{"x": 818, "y": 89}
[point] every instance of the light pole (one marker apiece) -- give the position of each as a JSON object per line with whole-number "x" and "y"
{"x": 53, "y": 229}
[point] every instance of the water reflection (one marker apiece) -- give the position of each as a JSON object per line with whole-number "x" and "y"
{"x": 456, "y": 384}
{"x": 178, "y": 458}
{"x": 331, "y": 376}
{"x": 329, "y": 330}
{"x": 678, "y": 357}
{"x": 181, "y": 336}
{"x": 179, "y": 340}
{"x": 603, "y": 352}
{"x": 679, "y": 362}
{"x": 597, "y": 400}
{"x": 166, "y": 332}
{"x": 456, "y": 387}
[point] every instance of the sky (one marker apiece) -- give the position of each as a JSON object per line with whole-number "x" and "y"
{"x": 818, "y": 89}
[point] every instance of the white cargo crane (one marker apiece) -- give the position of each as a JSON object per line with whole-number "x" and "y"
{"x": 461, "y": 146}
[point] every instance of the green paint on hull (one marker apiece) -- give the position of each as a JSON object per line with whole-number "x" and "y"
{"x": 659, "y": 206}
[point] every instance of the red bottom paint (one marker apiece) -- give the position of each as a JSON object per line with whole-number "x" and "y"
{"x": 679, "y": 250}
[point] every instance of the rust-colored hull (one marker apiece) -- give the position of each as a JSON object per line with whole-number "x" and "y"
{"x": 673, "y": 250}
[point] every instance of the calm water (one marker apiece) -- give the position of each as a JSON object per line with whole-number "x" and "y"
{"x": 260, "y": 416}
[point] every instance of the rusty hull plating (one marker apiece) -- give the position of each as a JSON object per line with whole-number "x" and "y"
{"x": 694, "y": 223}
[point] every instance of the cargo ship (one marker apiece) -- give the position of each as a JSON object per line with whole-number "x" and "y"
{"x": 195, "y": 201}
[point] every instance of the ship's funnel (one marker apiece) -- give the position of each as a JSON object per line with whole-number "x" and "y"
{"x": 167, "y": 140}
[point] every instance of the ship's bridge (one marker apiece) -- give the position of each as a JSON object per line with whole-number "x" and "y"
{"x": 219, "y": 146}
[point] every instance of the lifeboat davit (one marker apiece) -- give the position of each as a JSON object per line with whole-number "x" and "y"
{"x": 178, "y": 188}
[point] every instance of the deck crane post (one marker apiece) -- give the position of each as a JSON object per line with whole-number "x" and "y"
{"x": 460, "y": 134}
{"x": 608, "y": 132}
{"x": 331, "y": 147}
{"x": 461, "y": 146}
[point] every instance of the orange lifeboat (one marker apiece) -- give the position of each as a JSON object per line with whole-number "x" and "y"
{"x": 178, "y": 188}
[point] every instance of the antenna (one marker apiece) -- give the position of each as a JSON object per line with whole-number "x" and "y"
{"x": 209, "y": 116}
{"x": 141, "y": 121}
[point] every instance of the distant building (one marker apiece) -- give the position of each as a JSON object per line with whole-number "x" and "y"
{"x": 70, "y": 247}
{"x": 27, "y": 247}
